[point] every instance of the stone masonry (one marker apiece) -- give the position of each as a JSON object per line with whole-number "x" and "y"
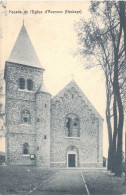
{"x": 89, "y": 144}
{"x": 63, "y": 131}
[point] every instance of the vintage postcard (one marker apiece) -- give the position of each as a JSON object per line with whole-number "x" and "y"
{"x": 53, "y": 129}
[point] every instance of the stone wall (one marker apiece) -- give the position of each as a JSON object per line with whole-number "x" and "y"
{"x": 12, "y": 74}
{"x": 43, "y": 129}
{"x": 17, "y": 100}
{"x": 70, "y": 100}
{"x": 15, "y": 150}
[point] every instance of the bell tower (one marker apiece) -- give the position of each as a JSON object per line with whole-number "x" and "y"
{"x": 23, "y": 77}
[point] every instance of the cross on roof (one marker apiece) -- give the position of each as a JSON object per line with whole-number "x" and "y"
{"x": 23, "y": 15}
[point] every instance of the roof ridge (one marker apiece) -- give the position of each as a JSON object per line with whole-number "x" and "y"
{"x": 82, "y": 94}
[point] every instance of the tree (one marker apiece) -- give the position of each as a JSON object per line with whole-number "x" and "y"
{"x": 122, "y": 11}
{"x": 101, "y": 39}
{"x": 2, "y": 105}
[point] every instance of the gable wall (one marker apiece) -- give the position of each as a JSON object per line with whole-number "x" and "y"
{"x": 88, "y": 142}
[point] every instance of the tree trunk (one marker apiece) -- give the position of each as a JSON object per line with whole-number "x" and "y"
{"x": 120, "y": 120}
{"x": 122, "y": 6}
{"x": 120, "y": 131}
{"x": 114, "y": 136}
{"x": 109, "y": 166}
{"x": 119, "y": 144}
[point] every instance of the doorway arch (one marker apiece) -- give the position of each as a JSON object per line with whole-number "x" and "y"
{"x": 72, "y": 157}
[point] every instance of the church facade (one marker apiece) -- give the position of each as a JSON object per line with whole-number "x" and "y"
{"x": 60, "y": 131}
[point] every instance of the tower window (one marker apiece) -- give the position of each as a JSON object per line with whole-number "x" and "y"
{"x": 29, "y": 84}
{"x": 22, "y": 83}
{"x": 25, "y": 148}
{"x": 26, "y": 118}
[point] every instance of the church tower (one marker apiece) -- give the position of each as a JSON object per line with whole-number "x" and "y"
{"x": 43, "y": 127}
{"x": 23, "y": 77}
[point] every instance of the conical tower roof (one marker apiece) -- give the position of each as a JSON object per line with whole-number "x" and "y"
{"x": 23, "y": 51}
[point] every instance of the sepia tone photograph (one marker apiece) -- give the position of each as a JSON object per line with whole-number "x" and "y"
{"x": 62, "y": 97}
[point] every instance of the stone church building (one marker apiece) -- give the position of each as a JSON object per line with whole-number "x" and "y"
{"x": 60, "y": 131}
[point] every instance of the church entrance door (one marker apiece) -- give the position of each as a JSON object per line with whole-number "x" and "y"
{"x": 72, "y": 156}
{"x": 71, "y": 160}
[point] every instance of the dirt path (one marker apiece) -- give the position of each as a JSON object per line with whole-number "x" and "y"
{"x": 64, "y": 182}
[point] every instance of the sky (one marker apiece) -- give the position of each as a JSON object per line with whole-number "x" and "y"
{"x": 55, "y": 41}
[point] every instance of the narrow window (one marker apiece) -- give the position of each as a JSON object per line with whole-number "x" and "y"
{"x": 68, "y": 125}
{"x": 26, "y": 116}
{"x": 37, "y": 147}
{"x": 29, "y": 84}
{"x": 38, "y": 120}
{"x": 93, "y": 118}
{"x": 22, "y": 83}
{"x": 72, "y": 126}
{"x": 25, "y": 148}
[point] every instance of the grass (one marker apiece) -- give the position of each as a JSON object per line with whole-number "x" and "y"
{"x": 16, "y": 179}
{"x": 104, "y": 183}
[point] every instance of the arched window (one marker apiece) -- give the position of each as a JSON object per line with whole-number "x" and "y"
{"x": 72, "y": 125}
{"x": 26, "y": 117}
{"x": 22, "y": 83}
{"x": 25, "y": 148}
{"x": 29, "y": 84}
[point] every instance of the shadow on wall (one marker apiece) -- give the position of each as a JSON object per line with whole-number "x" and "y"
{"x": 104, "y": 162}
{"x": 2, "y": 158}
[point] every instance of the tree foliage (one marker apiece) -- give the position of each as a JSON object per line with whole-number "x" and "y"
{"x": 102, "y": 43}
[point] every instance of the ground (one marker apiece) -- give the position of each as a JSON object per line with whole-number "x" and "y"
{"x": 20, "y": 180}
